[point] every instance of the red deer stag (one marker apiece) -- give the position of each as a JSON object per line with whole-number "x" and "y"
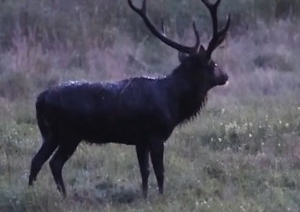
{"x": 136, "y": 111}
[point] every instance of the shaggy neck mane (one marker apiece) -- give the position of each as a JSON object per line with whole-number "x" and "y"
{"x": 191, "y": 95}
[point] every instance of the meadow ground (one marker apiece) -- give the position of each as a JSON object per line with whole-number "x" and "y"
{"x": 242, "y": 153}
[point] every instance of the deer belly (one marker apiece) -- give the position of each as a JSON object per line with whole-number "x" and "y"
{"x": 105, "y": 133}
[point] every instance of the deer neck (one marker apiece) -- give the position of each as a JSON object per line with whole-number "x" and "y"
{"x": 188, "y": 93}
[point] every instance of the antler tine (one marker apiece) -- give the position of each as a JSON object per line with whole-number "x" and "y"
{"x": 144, "y": 7}
{"x": 218, "y": 36}
{"x": 210, "y": 5}
{"x": 196, "y": 33}
{"x": 213, "y": 11}
{"x": 222, "y": 33}
{"x": 163, "y": 26}
{"x": 186, "y": 49}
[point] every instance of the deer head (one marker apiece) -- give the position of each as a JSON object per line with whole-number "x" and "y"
{"x": 197, "y": 56}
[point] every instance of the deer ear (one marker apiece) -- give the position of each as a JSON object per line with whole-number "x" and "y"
{"x": 202, "y": 52}
{"x": 182, "y": 56}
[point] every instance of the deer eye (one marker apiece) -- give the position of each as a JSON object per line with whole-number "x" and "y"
{"x": 213, "y": 64}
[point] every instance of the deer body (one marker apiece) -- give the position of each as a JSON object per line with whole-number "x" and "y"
{"x": 118, "y": 112}
{"x": 136, "y": 111}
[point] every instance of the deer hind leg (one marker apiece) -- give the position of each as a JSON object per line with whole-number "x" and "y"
{"x": 45, "y": 151}
{"x": 63, "y": 153}
{"x": 143, "y": 158}
{"x": 157, "y": 154}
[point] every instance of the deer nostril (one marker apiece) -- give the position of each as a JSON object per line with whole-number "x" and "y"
{"x": 226, "y": 77}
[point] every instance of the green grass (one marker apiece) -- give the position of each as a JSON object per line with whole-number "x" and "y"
{"x": 260, "y": 175}
{"x": 242, "y": 153}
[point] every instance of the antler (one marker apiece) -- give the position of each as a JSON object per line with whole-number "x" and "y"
{"x": 218, "y": 36}
{"x": 186, "y": 49}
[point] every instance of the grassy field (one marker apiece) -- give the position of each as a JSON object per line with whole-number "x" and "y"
{"x": 242, "y": 153}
